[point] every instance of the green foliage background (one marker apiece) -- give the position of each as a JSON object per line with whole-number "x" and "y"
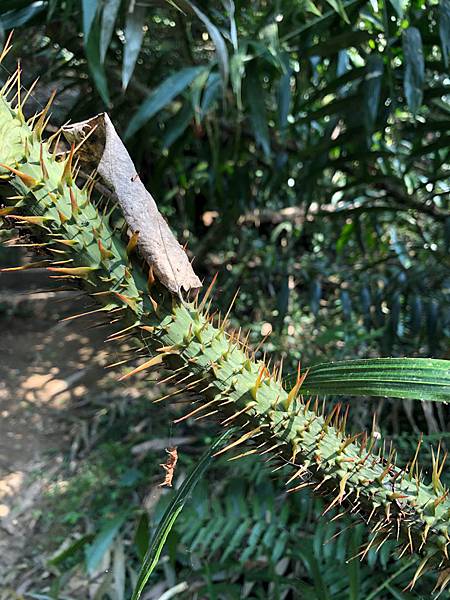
{"x": 301, "y": 149}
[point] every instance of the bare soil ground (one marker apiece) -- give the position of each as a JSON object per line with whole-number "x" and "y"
{"x": 45, "y": 368}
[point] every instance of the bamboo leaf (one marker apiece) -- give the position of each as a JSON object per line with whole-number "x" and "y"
{"x": 218, "y": 41}
{"x": 119, "y": 561}
{"x": 109, "y": 16}
{"x": 321, "y": 21}
{"x": 233, "y": 28}
{"x": 284, "y": 100}
{"x": 312, "y": 8}
{"x": 92, "y": 50}
{"x": 237, "y": 72}
{"x": 12, "y": 19}
{"x": 338, "y": 6}
{"x": 134, "y": 35}
{"x": 255, "y": 98}
{"x": 444, "y": 29}
{"x": 413, "y": 378}
{"x": 211, "y": 93}
{"x": 414, "y": 73}
{"x": 141, "y": 537}
{"x": 171, "y": 514}
{"x": 346, "y": 304}
{"x": 102, "y": 542}
{"x": 89, "y": 12}
{"x": 175, "y": 5}
{"x": 398, "y": 6}
{"x": 432, "y": 316}
{"x": 416, "y": 311}
{"x": 162, "y": 96}
{"x": 72, "y": 549}
{"x": 178, "y": 125}
{"x": 372, "y": 89}
{"x": 315, "y": 296}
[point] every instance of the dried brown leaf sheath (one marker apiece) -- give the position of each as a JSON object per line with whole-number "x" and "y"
{"x": 101, "y": 148}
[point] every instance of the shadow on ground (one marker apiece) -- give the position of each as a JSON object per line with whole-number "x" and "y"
{"x": 47, "y": 366}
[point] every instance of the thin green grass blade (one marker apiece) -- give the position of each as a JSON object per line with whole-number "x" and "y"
{"x": 412, "y": 378}
{"x": 170, "y": 516}
{"x": 386, "y": 584}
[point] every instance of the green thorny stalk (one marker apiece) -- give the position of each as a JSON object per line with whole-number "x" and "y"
{"x": 82, "y": 243}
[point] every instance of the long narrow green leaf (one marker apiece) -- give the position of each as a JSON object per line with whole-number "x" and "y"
{"x": 372, "y": 90}
{"x": 414, "y": 76}
{"x": 321, "y": 20}
{"x": 339, "y": 8}
{"x": 444, "y": 29}
{"x": 170, "y": 516}
{"x": 254, "y": 93}
{"x": 399, "y": 7}
{"x": 70, "y": 550}
{"x": 141, "y": 537}
{"x": 175, "y": 5}
{"x": 413, "y": 378}
{"x": 162, "y": 96}
{"x": 284, "y": 101}
{"x": 109, "y": 16}
{"x": 103, "y": 541}
{"x": 231, "y": 8}
{"x": 89, "y": 12}
{"x": 403, "y": 567}
{"x": 12, "y": 19}
{"x": 134, "y": 36}
{"x": 217, "y": 39}
{"x": 97, "y": 70}
{"x": 178, "y": 125}
{"x": 211, "y": 93}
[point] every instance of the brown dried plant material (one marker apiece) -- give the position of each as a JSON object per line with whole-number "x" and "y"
{"x": 169, "y": 466}
{"x": 99, "y": 147}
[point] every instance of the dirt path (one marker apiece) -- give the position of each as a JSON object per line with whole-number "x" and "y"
{"x": 46, "y": 367}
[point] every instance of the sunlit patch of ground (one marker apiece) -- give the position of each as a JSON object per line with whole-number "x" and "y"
{"x": 45, "y": 369}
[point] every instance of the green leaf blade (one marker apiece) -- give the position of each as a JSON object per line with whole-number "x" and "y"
{"x": 372, "y": 89}
{"x": 171, "y": 514}
{"x": 109, "y": 16}
{"x": 255, "y": 99}
{"x": 162, "y": 96}
{"x": 414, "y": 75}
{"x": 134, "y": 36}
{"x": 411, "y": 378}
{"x": 96, "y": 68}
{"x": 102, "y": 542}
{"x": 338, "y": 6}
{"x": 444, "y": 29}
{"x": 218, "y": 41}
{"x": 89, "y": 12}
